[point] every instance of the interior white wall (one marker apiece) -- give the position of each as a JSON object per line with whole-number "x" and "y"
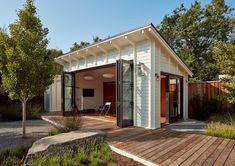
{"x": 88, "y": 102}
{"x": 96, "y": 84}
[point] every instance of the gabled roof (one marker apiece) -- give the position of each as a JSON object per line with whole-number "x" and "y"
{"x": 119, "y": 40}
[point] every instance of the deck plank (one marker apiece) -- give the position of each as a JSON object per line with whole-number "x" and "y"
{"x": 146, "y": 142}
{"x": 213, "y": 157}
{"x": 231, "y": 158}
{"x": 195, "y": 155}
{"x": 176, "y": 149}
{"x": 183, "y": 157}
{"x": 201, "y": 159}
{"x": 225, "y": 153}
{"x": 166, "y": 147}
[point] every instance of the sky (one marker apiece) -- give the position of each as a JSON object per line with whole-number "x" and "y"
{"x": 72, "y": 21}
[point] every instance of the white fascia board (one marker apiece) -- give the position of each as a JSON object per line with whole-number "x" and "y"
{"x": 107, "y": 40}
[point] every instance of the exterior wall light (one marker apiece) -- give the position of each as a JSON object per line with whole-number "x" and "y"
{"x": 140, "y": 69}
{"x": 157, "y": 76}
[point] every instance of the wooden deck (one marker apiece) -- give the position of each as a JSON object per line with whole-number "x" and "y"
{"x": 166, "y": 147}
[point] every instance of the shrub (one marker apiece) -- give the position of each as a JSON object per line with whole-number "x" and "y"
{"x": 226, "y": 118}
{"x": 221, "y": 125}
{"x": 221, "y": 130}
{"x": 95, "y": 156}
{"x": 34, "y": 112}
{"x": 69, "y": 124}
{"x": 13, "y": 156}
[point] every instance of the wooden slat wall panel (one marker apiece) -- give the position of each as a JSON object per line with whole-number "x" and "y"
{"x": 206, "y": 90}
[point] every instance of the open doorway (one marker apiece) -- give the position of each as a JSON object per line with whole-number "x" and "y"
{"x": 171, "y": 98}
{"x": 89, "y": 89}
{"x": 95, "y": 87}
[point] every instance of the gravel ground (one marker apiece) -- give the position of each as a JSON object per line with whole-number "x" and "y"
{"x": 11, "y": 132}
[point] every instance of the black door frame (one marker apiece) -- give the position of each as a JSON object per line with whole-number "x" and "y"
{"x": 119, "y": 95}
{"x": 181, "y": 78}
{"x": 63, "y": 92}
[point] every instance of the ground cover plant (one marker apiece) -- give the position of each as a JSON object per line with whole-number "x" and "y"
{"x": 13, "y": 156}
{"x": 97, "y": 155}
{"x": 221, "y": 125}
{"x": 66, "y": 125}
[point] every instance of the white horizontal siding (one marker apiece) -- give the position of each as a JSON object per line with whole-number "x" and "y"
{"x": 143, "y": 108}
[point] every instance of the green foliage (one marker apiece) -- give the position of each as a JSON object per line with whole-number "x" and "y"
{"x": 221, "y": 130}
{"x": 95, "y": 156}
{"x": 191, "y": 32}
{"x": 221, "y": 125}
{"x": 77, "y": 46}
{"x": 13, "y": 156}
{"x": 82, "y": 44}
{"x": 26, "y": 68}
{"x": 224, "y": 54}
{"x": 69, "y": 124}
{"x": 225, "y": 118}
{"x": 96, "y": 39}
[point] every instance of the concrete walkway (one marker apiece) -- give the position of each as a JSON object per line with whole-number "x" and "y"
{"x": 11, "y": 132}
{"x": 189, "y": 126}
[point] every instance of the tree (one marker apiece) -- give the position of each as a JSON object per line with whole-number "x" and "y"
{"x": 82, "y": 44}
{"x": 77, "y": 46}
{"x": 96, "y": 39}
{"x": 54, "y": 52}
{"x": 191, "y": 32}
{"x": 224, "y": 54}
{"x": 26, "y": 68}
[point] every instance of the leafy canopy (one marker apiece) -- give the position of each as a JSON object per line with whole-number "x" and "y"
{"x": 82, "y": 44}
{"x": 192, "y": 32}
{"x": 25, "y": 65}
{"x": 225, "y": 61}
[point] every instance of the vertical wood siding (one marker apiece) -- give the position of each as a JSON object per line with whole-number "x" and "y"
{"x": 207, "y": 91}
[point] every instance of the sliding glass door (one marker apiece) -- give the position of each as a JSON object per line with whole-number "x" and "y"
{"x": 124, "y": 93}
{"x": 68, "y": 83}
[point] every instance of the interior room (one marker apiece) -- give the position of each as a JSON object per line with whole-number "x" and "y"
{"x": 95, "y": 87}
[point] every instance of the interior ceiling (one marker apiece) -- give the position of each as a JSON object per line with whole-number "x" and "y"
{"x": 98, "y": 73}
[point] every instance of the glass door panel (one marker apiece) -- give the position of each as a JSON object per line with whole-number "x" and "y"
{"x": 68, "y": 89}
{"x": 173, "y": 89}
{"x": 175, "y": 99}
{"x": 124, "y": 93}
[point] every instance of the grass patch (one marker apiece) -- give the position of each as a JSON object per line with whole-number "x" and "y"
{"x": 69, "y": 124}
{"x": 94, "y": 156}
{"x": 221, "y": 125}
{"x": 13, "y": 156}
{"x": 221, "y": 130}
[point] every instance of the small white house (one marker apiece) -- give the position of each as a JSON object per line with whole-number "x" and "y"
{"x": 137, "y": 71}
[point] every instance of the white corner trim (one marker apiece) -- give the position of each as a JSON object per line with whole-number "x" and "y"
{"x": 129, "y": 155}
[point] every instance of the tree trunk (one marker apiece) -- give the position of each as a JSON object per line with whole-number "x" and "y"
{"x": 23, "y": 117}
